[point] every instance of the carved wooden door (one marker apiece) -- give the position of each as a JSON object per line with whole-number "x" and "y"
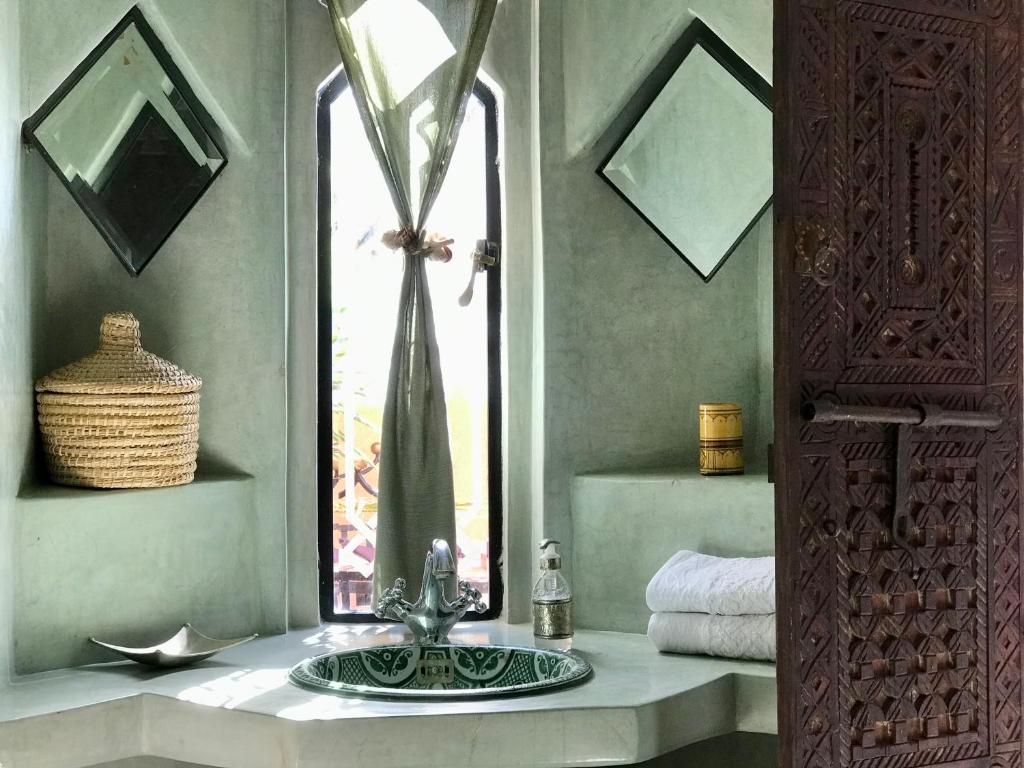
{"x": 898, "y": 284}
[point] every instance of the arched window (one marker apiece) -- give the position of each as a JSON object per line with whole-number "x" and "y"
{"x": 358, "y": 290}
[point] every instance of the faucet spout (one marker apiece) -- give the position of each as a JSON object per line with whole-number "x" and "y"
{"x": 442, "y": 562}
{"x": 432, "y": 616}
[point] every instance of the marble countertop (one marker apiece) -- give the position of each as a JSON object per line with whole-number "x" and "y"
{"x": 239, "y": 710}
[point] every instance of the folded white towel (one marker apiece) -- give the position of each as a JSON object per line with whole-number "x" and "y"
{"x": 728, "y": 586}
{"x": 734, "y": 637}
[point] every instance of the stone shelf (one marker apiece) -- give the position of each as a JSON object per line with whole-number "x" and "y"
{"x": 36, "y": 493}
{"x": 627, "y": 524}
{"x": 114, "y": 564}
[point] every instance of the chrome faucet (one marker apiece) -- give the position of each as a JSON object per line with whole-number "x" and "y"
{"x": 432, "y": 617}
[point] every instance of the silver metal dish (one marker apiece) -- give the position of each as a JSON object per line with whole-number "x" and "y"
{"x": 187, "y": 646}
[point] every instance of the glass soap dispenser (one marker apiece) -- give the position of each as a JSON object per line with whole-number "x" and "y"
{"x": 552, "y": 602}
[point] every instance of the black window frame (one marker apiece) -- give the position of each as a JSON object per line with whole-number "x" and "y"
{"x": 325, "y": 492}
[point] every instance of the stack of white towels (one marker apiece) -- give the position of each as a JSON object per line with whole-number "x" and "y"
{"x": 718, "y": 606}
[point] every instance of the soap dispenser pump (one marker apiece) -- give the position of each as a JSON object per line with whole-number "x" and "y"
{"x": 552, "y": 602}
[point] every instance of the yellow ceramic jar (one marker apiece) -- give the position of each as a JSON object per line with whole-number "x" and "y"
{"x": 721, "y": 439}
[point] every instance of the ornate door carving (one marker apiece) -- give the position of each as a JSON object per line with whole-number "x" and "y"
{"x": 898, "y": 283}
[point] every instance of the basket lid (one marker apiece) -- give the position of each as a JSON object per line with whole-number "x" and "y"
{"x": 119, "y": 366}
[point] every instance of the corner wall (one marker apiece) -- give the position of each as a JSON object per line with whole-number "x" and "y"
{"x": 14, "y": 325}
{"x": 312, "y": 57}
{"x": 212, "y": 300}
{"x": 633, "y": 339}
{"x": 23, "y": 201}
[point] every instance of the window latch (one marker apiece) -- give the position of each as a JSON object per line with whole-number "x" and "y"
{"x": 484, "y": 257}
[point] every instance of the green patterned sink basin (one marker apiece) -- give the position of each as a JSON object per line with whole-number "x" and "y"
{"x": 440, "y": 671}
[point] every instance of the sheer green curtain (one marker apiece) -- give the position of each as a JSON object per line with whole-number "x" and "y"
{"x": 412, "y": 65}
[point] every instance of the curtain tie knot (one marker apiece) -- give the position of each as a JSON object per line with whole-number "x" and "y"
{"x": 431, "y": 245}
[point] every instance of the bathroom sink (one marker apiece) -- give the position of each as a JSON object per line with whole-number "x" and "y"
{"x": 440, "y": 671}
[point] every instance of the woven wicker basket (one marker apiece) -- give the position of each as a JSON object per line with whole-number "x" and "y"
{"x": 120, "y": 417}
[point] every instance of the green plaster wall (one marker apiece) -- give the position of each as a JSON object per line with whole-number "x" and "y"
{"x": 14, "y": 358}
{"x": 610, "y": 341}
{"x": 213, "y": 300}
{"x": 508, "y": 65}
{"x": 23, "y": 195}
{"x": 633, "y": 339}
{"x": 611, "y": 46}
{"x": 12, "y": 374}
{"x": 312, "y": 57}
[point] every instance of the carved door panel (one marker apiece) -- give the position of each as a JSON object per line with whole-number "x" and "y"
{"x": 898, "y": 284}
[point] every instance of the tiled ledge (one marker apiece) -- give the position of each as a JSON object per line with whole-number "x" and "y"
{"x": 239, "y": 711}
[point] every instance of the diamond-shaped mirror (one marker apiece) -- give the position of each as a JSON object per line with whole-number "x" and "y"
{"x": 130, "y": 140}
{"x": 695, "y": 160}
